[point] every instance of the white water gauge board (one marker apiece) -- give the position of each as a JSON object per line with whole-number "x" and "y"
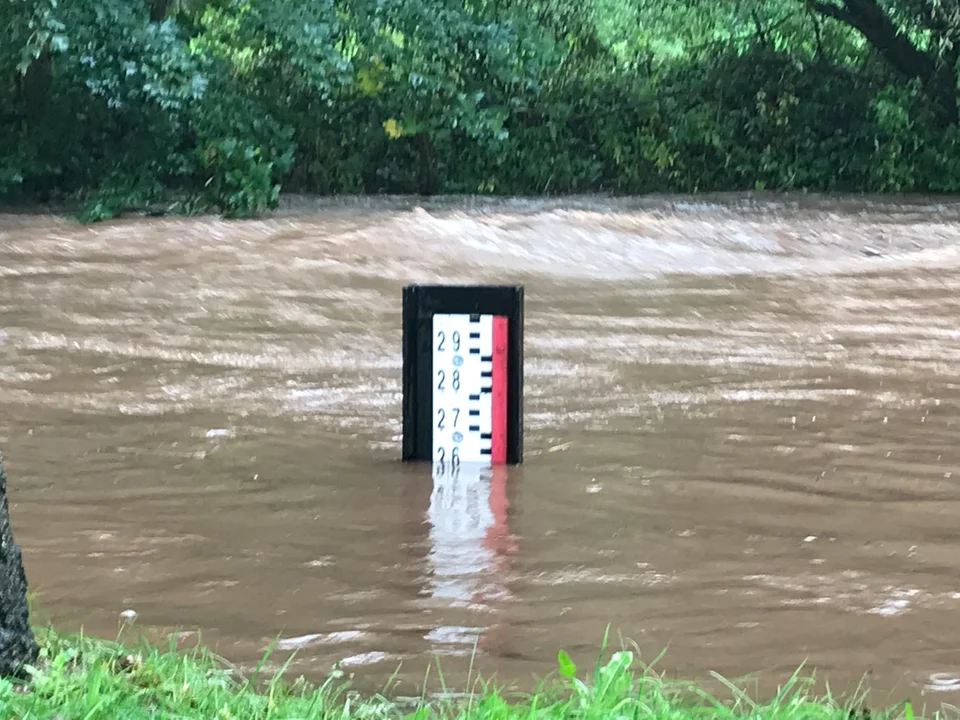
{"x": 469, "y": 388}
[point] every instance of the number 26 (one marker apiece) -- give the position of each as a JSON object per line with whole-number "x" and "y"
{"x": 454, "y": 455}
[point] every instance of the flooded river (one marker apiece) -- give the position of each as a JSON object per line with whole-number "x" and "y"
{"x": 741, "y": 416}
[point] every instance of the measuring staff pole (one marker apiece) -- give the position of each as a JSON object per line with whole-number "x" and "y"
{"x": 463, "y": 374}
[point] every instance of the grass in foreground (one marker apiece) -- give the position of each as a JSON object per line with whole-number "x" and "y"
{"x": 86, "y": 678}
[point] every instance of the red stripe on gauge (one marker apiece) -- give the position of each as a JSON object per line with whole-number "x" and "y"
{"x": 498, "y": 392}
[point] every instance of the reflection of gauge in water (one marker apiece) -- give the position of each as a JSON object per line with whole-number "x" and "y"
{"x": 457, "y": 437}
{"x": 458, "y": 360}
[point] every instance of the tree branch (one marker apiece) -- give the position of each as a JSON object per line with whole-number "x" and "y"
{"x": 831, "y": 11}
{"x": 867, "y": 17}
{"x": 818, "y": 34}
{"x": 760, "y": 34}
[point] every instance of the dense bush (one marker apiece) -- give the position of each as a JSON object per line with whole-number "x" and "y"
{"x": 200, "y": 105}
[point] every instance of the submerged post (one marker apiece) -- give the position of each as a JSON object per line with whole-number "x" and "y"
{"x": 17, "y": 644}
{"x": 463, "y": 373}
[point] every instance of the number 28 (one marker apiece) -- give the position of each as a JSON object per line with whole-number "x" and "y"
{"x": 443, "y": 376}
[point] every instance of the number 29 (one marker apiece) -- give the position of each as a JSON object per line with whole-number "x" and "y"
{"x": 442, "y": 338}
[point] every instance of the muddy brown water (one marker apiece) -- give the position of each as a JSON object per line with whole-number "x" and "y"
{"x": 741, "y": 436}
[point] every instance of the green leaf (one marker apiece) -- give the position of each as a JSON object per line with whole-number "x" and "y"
{"x": 59, "y": 43}
{"x": 566, "y": 666}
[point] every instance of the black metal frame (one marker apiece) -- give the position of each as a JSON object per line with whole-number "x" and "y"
{"x": 420, "y": 302}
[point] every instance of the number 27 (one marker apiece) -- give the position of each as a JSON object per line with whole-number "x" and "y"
{"x": 443, "y": 416}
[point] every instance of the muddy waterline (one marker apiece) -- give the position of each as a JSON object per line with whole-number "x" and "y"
{"x": 741, "y": 423}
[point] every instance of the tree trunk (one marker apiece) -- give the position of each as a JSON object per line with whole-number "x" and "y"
{"x": 428, "y": 179}
{"x": 158, "y": 10}
{"x": 17, "y": 644}
{"x": 938, "y": 78}
{"x": 35, "y": 85}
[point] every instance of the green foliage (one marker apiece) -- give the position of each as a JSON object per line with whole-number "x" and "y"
{"x": 566, "y": 666}
{"x": 81, "y": 677}
{"x": 216, "y": 105}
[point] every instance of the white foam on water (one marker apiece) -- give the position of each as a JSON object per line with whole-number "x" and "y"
{"x": 334, "y": 638}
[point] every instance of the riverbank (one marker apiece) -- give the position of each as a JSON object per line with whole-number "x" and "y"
{"x": 83, "y": 677}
